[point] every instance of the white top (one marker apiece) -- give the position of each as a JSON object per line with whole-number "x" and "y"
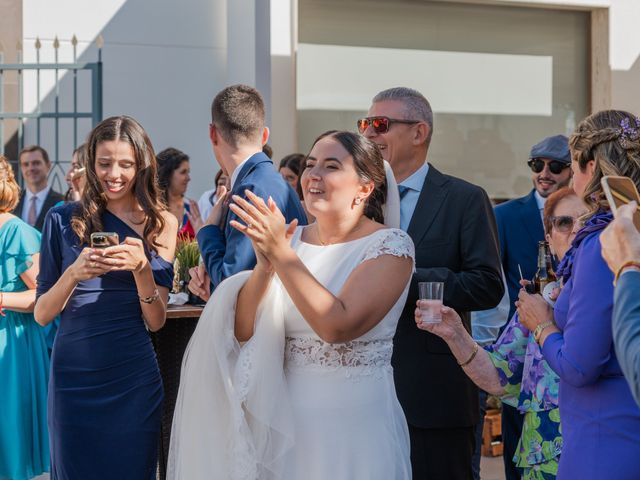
{"x": 40, "y": 198}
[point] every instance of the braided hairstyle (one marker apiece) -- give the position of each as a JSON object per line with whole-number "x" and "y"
{"x": 9, "y": 189}
{"x": 612, "y": 139}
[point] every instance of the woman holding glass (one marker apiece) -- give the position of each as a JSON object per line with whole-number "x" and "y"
{"x": 513, "y": 368}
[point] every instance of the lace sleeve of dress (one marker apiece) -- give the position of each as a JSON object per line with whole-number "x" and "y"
{"x": 391, "y": 242}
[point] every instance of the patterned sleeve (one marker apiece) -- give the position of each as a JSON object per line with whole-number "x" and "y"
{"x": 507, "y": 355}
{"x": 391, "y": 241}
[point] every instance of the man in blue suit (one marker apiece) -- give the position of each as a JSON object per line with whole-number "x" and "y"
{"x": 519, "y": 231}
{"x": 621, "y": 249}
{"x": 238, "y": 133}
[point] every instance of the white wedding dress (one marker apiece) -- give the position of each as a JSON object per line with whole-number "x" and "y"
{"x": 287, "y": 405}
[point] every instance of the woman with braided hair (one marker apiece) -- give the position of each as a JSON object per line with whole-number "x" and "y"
{"x": 24, "y": 362}
{"x": 599, "y": 419}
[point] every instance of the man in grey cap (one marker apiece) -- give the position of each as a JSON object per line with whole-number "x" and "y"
{"x": 519, "y": 231}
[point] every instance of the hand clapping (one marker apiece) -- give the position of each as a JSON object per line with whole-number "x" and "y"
{"x": 264, "y": 223}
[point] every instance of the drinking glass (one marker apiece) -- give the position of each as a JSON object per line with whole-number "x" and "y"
{"x": 431, "y": 294}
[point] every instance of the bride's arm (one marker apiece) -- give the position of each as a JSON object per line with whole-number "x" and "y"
{"x": 249, "y": 298}
{"x": 366, "y": 297}
{"x": 368, "y": 294}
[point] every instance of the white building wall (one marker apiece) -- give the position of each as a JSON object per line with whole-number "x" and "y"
{"x": 163, "y": 63}
{"x": 165, "y": 60}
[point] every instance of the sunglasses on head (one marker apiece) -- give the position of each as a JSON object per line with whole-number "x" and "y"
{"x": 537, "y": 165}
{"x": 381, "y": 124}
{"x": 563, "y": 223}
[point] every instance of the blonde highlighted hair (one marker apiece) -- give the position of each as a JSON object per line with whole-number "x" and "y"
{"x": 612, "y": 139}
{"x": 9, "y": 188}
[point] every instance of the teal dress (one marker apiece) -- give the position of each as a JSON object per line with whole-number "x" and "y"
{"x": 24, "y": 365}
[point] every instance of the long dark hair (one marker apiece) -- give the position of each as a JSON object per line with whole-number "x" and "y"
{"x": 93, "y": 203}
{"x": 612, "y": 139}
{"x": 169, "y": 160}
{"x": 369, "y": 166}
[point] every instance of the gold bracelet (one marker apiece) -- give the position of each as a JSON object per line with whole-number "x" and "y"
{"x": 151, "y": 298}
{"x": 473, "y": 355}
{"x": 622, "y": 267}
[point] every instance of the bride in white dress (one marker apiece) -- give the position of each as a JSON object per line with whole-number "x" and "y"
{"x": 288, "y": 374}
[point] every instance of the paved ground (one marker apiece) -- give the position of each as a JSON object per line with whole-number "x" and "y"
{"x": 490, "y": 469}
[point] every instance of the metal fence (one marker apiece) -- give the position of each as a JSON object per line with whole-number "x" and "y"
{"x": 49, "y": 108}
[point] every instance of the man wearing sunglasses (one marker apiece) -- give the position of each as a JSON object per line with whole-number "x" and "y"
{"x": 453, "y": 228}
{"x": 520, "y": 229}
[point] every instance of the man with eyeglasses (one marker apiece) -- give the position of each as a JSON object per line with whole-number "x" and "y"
{"x": 520, "y": 229}
{"x": 453, "y": 228}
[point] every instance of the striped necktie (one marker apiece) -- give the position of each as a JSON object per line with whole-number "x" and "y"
{"x": 32, "y": 215}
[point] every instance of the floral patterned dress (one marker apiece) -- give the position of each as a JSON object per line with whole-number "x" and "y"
{"x": 531, "y": 387}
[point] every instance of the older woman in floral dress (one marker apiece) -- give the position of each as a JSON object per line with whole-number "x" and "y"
{"x": 513, "y": 367}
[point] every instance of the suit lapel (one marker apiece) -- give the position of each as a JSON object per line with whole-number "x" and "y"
{"x": 49, "y": 202}
{"x": 429, "y": 203}
{"x": 531, "y": 218}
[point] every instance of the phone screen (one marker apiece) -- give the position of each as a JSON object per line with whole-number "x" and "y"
{"x": 620, "y": 191}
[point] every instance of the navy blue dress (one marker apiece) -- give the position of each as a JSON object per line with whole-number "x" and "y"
{"x": 105, "y": 390}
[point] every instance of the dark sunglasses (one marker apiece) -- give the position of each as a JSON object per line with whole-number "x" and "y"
{"x": 537, "y": 165}
{"x": 563, "y": 223}
{"x": 381, "y": 124}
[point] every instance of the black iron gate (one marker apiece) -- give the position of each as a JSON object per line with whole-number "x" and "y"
{"x": 50, "y": 107}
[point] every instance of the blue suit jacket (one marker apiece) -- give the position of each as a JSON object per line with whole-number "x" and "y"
{"x": 626, "y": 329}
{"x": 519, "y": 231}
{"x": 228, "y": 252}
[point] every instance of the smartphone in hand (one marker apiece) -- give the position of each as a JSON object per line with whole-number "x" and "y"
{"x": 620, "y": 191}
{"x": 104, "y": 239}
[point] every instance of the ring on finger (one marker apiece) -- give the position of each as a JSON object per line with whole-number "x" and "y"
{"x": 94, "y": 264}
{"x": 249, "y": 225}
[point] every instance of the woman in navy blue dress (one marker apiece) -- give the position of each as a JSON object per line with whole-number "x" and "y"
{"x": 105, "y": 390}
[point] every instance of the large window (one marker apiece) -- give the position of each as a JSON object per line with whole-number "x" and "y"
{"x": 499, "y": 78}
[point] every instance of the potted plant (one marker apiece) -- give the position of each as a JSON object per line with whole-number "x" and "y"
{"x": 187, "y": 257}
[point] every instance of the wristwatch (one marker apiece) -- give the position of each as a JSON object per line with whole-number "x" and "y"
{"x": 537, "y": 333}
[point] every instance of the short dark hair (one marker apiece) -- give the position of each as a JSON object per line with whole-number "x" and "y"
{"x": 169, "y": 160}
{"x": 293, "y": 162}
{"x": 35, "y": 148}
{"x": 238, "y": 113}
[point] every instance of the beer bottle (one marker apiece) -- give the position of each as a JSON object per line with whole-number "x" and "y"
{"x": 544, "y": 275}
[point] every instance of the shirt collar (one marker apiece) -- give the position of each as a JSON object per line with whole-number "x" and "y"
{"x": 416, "y": 180}
{"x": 41, "y": 195}
{"x": 540, "y": 200}
{"x": 236, "y": 171}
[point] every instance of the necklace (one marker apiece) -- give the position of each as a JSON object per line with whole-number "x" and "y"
{"x": 354, "y": 230}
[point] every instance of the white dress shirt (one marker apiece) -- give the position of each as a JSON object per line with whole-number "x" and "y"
{"x": 236, "y": 171}
{"x": 26, "y": 205}
{"x": 408, "y": 203}
{"x": 540, "y": 200}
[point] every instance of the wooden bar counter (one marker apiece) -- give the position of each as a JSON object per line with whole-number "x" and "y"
{"x": 170, "y": 343}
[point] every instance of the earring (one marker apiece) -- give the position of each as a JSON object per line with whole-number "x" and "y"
{"x": 357, "y": 200}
